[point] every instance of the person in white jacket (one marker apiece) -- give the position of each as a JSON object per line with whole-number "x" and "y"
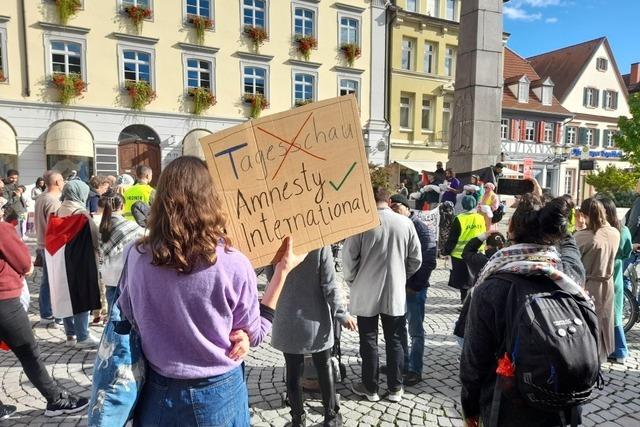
{"x": 377, "y": 264}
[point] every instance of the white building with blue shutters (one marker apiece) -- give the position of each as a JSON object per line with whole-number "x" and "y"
{"x": 587, "y": 82}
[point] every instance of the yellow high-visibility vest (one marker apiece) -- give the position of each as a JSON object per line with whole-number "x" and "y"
{"x": 472, "y": 225}
{"x": 137, "y": 192}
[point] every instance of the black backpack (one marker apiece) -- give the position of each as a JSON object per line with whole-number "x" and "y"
{"x": 552, "y": 340}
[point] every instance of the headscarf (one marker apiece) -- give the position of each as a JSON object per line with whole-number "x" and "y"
{"x": 468, "y": 203}
{"x": 75, "y": 191}
{"x": 491, "y": 186}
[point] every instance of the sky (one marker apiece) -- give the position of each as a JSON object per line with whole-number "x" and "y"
{"x": 539, "y": 26}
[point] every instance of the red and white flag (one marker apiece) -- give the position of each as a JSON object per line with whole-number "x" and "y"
{"x": 71, "y": 266}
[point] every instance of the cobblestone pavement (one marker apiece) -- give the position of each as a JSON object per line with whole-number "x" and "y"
{"x": 433, "y": 402}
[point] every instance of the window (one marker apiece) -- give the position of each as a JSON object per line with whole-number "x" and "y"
{"x": 412, "y": 5}
{"x": 610, "y": 100}
{"x": 547, "y": 95}
{"x": 348, "y": 86}
{"x": 254, "y": 13}
{"x": 504, "y": 129}
{"x": 602, "y": 64}
{"x": 449, "y": 61}
{"x": 349, "y": 30}
{"x": 426, "y": 114}
{"x": 4, "y": 71}
{"x": 610, "y": 138}
{"x": 446, "y": 120}
{"x": 66, "y": 57}
{"x": 589, "y": 140}
{"x": 137, "y": 65}
{"x": 303, "y": 22}
{"x": 591, "y": 97}
{"x": 569, "y": 180}
{"x": 198, "y": 73}
{"x": 139, "y": 3}
{"x": 408, "y": 46}
{"x": 429, "y": 58}
{"x": 548, "y": 132}
{"x": 254, "y": 80}
{"x": 523, "y": 92}
{"x": 304, "y": 88}
{"x": 571, "y": 135}
{"x": 405, "y": 112}
{"x": 199, "y": 7}
{"x": 433, "y": 8}
{"x": 451, "y": 10}
{"x": 530, "y": 131}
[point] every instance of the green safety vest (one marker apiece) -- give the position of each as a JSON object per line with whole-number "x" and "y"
{"x": 138, "y": 192}
{"x": 472, "y": 225}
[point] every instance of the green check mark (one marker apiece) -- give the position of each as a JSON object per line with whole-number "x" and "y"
{"x": 339, "y": 186}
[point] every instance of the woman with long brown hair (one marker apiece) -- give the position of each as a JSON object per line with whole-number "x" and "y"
{"x": 598, "y": 244}
{"x": 186, "y": 290}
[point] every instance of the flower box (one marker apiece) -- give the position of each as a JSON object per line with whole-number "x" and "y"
{"x": 69, "y": 85}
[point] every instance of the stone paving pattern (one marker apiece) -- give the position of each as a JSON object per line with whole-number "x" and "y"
{"x": 433, "y": 402}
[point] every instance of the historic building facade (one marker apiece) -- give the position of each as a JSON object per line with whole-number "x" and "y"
{"x": 227, "y": 59}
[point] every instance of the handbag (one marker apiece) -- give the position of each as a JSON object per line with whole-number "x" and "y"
{"x": 119, "y": 368}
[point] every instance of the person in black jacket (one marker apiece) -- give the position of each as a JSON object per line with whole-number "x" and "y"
{"x": 534, "y": 230}
{"x": 416, "y": 291}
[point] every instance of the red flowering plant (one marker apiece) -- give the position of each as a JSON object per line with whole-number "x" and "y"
{"x": 70, "y": 86}
{"x": 201, "y": 24}
{"x": 257, "y": 102}
{"x": 138, "y": 14}
{"x": 257, "y": 35}
{"x": 305, "y": 45}
{"x": 2, "y": 76}
{"x": 202, "y": 99}
{"x": 66, "y": 9}
{"x": 140, "y": 92}
{"x": 351, "y": 52}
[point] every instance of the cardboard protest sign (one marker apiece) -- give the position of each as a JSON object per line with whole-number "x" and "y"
{"x": 300, "y": 173}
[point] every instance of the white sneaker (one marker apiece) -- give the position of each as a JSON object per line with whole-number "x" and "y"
{"x": 90, "y": 342}
{"x": 395, "y": 396}
{"x": 362, "y": 391}
{"x": 71, "y": 342}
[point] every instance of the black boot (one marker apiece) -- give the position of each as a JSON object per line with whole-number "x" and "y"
{"x": 298, "y": 420}
{"x": 332, "y": 419}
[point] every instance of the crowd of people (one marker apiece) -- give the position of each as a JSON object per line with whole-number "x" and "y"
{"x": 164, "y": 258}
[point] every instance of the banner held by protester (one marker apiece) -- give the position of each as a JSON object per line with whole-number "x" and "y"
{"x": 300, "y": 173}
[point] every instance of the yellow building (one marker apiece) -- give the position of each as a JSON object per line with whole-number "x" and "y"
{"x": 105, "y": 60}
{"x": 424, "y": 42}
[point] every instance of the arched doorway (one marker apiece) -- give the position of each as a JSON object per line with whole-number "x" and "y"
{"x": 8, "y": 148}
{"x": 139, "y": 145}
{"x": 69, "y": 148}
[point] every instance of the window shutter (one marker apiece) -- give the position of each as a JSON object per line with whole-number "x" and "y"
{"x": 597, "y": 97}
{"x": 584, "y": 96}
{"x": 615, "y": 100}
{"x": 566, "y": 135}
{"x": 514, "y": 130}
{"x": 582, "y": 139}
{"x": 540, "y": 136}
{"x": 523, "y": 130}
{"x": 558, "y": 130}
{"x": 596, "y": 137}
{"x": 605, "y": 137}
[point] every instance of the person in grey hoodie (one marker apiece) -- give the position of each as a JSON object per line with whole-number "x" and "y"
{"x": 303, "y": 324}
{"x": 377, "y": 264}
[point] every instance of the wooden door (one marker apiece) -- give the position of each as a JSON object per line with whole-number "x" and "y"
{"x": 135, "y": 153}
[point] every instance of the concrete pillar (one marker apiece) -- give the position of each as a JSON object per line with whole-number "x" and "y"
{"x": 475, "y": 127}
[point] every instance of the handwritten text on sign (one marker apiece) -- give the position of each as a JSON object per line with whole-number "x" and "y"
{"x": 301, "y": 173}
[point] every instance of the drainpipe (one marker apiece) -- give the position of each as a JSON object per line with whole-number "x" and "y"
{"x": 391, "y": 13}
{"x": 26, "y": 90}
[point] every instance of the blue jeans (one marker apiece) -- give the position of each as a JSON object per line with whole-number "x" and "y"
{"x": 415, "y": 318}
{"x": 44, "y": 300}
{"x": 77, "y": 325}
{"x": 216, "y": 401}
{"x": 110, "y": 295}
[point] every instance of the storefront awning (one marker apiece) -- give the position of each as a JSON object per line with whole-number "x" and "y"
{"x": 417, "y": 165}
{"x": 7, "y": 139}
{"x": 69, "y": 138}
{"x": 191, "y": 144}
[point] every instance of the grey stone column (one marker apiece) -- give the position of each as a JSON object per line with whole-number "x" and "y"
{"x": 475, "y": 125}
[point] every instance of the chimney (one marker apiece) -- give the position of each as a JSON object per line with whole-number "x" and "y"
{"x": 634, "y": 78}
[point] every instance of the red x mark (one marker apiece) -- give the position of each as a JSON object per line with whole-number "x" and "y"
{"x": 291, "y": 145}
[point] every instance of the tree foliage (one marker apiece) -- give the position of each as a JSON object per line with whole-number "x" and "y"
{"x": 380, "y": 176}
{"x": 613, "y": 180}
{"x": 628, "y": 140}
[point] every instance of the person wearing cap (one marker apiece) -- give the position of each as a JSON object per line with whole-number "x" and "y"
{"x": 417, "y": 286}
{"x": 465, "y": 227}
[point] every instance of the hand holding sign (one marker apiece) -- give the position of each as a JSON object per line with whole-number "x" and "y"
{"x": 302, "y": 173}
